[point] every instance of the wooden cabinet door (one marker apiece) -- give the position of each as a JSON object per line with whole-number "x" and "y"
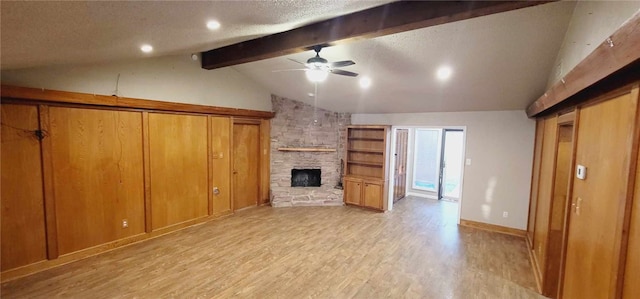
{"x": 373, "y": 195}
{"x": 352, "y": 191}
{"x": 22, "y": 219}
{"x": 631, "y": 288}
{"x": 604, "y": 142}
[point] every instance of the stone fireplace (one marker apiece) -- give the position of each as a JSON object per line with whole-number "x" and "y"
{"x": 306, "y": 138}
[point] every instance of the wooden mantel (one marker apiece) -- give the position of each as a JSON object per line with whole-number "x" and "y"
{"x": 306, "y": 149}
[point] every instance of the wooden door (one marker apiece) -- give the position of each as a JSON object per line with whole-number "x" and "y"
{"x": 604, "y": 142}
{"x": 400, "y": 171}
{"x": 352, "y": 191}
{"x": 373, "y": 195}
{"x": 179, "y": 171}
{"x": 97, "y": 163}
{"x": 22, "y": 206}
{"x": 535, "y": 179}
{"x": 545, "y": 191}
{"x": 246, "y": 161}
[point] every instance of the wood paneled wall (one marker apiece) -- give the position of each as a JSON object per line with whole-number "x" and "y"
{"x": 178, "y": 168}
{"x": 221, "y": 130}
{"x": 104, "y": 177}
{"x": 97, "y": 162}
{"x": 586, "y": 232}
{"x": 22, "y": 205}
{"x": 535, "y": 181}
{"x": 545, "y": 191}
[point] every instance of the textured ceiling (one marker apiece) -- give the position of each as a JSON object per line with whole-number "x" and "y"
{"x": 43, "y": 33}
{"x": 500, "y": 61}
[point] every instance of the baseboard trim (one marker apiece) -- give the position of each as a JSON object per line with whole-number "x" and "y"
{"x": 494, "y": 228}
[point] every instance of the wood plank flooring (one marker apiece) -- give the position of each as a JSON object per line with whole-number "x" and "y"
{"x": 414, "y": 251}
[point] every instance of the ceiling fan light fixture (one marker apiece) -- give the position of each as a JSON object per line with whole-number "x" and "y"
{"x": 316, "y": 74}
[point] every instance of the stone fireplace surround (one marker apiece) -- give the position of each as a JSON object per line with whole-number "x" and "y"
{"x": 300, "y": 125}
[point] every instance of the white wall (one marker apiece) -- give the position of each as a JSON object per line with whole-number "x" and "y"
{"x": 591, "y": 24}
{"x": 169, "y": 78}
{"x": 500, "y": 146}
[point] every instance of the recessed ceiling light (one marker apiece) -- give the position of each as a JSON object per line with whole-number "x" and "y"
{"x": 444, "y": 73}
{"x": 213, "y": 25}
{"x": 310, "y": 94}
{"x": 146, "y": 48}
{"x": 365, "y": 82}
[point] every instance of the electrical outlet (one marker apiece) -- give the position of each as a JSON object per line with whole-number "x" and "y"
{"x": 125, "y": 223}
{"x": 505, "y": 214}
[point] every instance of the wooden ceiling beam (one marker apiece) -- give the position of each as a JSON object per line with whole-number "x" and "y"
{"x": 378, "y": 21}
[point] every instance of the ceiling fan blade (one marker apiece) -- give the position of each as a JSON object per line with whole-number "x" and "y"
{"x": 342, "y": 63}
{"x": 296, "y": 61}
{"x": 344, "y": 73}
{"x": 288, "y": 70}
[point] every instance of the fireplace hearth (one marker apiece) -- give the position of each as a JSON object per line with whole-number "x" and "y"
{"x": 306, "y": 177}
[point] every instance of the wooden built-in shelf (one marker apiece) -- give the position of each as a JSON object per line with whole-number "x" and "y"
{"x": 376, "y": 164}
{"x": 366, "y": 139}
{"x": 372, "y": 151}
{"x": 306, "y": 149}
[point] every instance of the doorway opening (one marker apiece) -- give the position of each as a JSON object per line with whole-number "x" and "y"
{"x": 433, "y": 164}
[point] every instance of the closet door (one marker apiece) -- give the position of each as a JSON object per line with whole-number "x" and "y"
{"x": 604, "y": 141}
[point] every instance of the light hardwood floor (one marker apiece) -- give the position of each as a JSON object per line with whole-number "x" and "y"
{"x": 414, "y": 251}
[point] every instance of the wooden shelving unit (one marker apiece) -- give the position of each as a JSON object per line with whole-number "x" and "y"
{"x": 365, "y": 179}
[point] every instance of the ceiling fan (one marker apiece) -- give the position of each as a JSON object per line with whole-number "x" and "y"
{"x": 317, "y": 68}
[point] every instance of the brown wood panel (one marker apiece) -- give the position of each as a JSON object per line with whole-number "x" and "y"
{"x": 595, "y": 224}
{"x": 400, "y": 171}
{"x": 56, "y": 96}
{"x": 373, "y": 194}
{"x": 148, "y": 226}
{"x": 545, "y": 192}
{"x": 48, "y": 187}
{"x": 265, "y": 160}
{"x": 22, "y": 203}
{"x": 246, "y": 165}
{"x": 535, "y": 180}
{"x": 179, "y": 168}
{"x": 369, "y": 23}
{"x": 352, "y": 191}
{"x": 563, "y": 174}
{"x": 221, "y": 164}
{"x": 631, "y": 287}
{"x": 97, "y": 174}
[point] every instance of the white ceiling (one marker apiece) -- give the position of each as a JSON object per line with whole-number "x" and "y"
{"x": 500, "y": 61}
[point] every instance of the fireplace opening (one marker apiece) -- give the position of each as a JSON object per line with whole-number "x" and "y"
{"x": 305, "y": 177}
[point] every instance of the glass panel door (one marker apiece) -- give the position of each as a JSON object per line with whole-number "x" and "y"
{"x": 426, "y": 165}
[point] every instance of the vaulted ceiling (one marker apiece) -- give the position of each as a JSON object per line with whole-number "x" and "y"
{"x": 499, "y": 62}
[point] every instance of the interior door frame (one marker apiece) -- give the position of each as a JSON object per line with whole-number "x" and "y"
{"x": 263, "y": 157}
{"x": 410, "y": 154}
{"x": 395, "y": 159}
{"x": 442, "y": 164}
